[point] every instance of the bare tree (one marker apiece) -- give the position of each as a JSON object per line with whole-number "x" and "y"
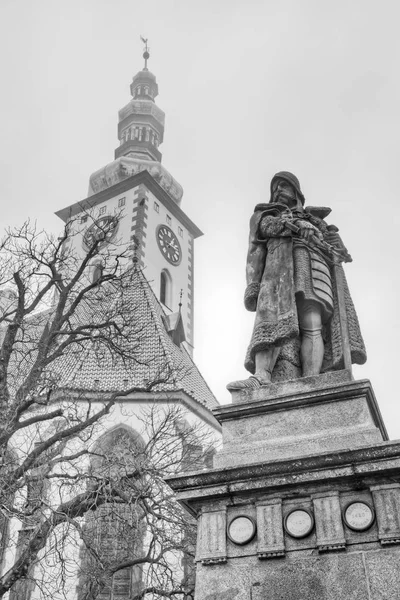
{"x": 68, "y": 491}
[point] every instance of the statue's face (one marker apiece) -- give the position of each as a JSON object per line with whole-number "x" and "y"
{"x": 284, "y": 193}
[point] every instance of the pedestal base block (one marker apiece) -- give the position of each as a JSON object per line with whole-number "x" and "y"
{"x": 306, "y": 416}
{"x": 359, "y": 576}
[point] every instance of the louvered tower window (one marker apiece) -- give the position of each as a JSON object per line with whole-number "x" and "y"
{"x": 165, "y": 288}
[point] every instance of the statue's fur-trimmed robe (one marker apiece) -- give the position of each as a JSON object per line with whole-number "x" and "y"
{"x": 278, "y": 270}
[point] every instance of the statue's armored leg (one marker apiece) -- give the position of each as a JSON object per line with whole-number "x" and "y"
{"x": 312, "y": 345}
{"x": 265, "y": 361}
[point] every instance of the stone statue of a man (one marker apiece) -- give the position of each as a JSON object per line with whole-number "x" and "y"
{"x": 291, "y": 286}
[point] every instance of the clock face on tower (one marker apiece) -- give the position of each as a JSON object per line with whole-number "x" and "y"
{"x": 169, "y": 246}
{"x": 104, "y": 229}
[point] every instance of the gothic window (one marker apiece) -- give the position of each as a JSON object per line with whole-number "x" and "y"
{"x": 97, "y": 271}
{"x": 121, "y": 202}
{"x": 140, "y": 134}
{"x": 9, "y": 461}
{"x": 115, "y": 530}
{"x": 147, "y": 135}
{"x": 165, "y": 288}
{"x": 136, "y": 133}
{"x": 146, "y": 90}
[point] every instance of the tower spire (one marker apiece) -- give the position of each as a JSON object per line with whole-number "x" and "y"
{"x": 140, "y": 133}
{"x": 146, "y": 53}
{"x": 141, "y": 122}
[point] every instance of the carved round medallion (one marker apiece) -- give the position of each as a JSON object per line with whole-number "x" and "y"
{"x": 299, "y": 523}
{"x": 241, "y": 530}
{"x": 169, "y": 245}
{"x": 358, "y": 515}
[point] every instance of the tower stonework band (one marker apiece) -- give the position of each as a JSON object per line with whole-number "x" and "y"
{"x": 303, "y": 501}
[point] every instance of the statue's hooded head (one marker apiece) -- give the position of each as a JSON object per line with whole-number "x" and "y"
{"x": 289, "y": 178}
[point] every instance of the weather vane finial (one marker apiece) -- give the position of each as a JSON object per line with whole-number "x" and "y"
{"x": 146, "y": 54}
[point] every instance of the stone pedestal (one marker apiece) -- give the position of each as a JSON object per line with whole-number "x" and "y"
{"x": 306, "y": 416}
{"x": 309, "y": 464}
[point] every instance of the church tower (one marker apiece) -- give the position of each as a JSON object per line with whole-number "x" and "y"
{"x": 145, "y": 197}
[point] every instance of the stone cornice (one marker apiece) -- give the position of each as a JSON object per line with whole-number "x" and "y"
{"x": 143, "y": 177}
{"x": 359, "y": 463}
{"x": 142, "y": 397}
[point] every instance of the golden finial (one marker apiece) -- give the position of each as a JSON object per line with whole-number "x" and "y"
{"x": 146, "y": 53}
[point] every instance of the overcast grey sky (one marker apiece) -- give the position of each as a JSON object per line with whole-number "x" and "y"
{"x": 249, "y": 88}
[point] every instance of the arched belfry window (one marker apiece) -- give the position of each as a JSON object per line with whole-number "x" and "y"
{"x": 166, "y": 288}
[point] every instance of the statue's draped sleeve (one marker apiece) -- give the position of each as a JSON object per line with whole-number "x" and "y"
{"x": 262, "y": 227}
{"x": 255, "y": 263}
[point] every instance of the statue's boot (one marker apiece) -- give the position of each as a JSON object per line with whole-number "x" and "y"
{"x": 265, "y": 361}
{"x": 252, "y": 383}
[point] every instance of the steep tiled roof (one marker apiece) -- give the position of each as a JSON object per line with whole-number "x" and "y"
{"x": 153, "y": 355}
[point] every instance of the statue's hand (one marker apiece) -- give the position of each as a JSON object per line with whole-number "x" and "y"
{"x": 334, "y": 239}
{"x": 307, "y": 230}
{"x": 251, "y": 296}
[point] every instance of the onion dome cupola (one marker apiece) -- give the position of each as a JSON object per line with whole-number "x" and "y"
{"x": 141, "y": 122}
{"x": 140, "y": 132}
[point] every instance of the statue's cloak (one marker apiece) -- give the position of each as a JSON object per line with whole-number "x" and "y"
{"x": 270, "y": 293}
